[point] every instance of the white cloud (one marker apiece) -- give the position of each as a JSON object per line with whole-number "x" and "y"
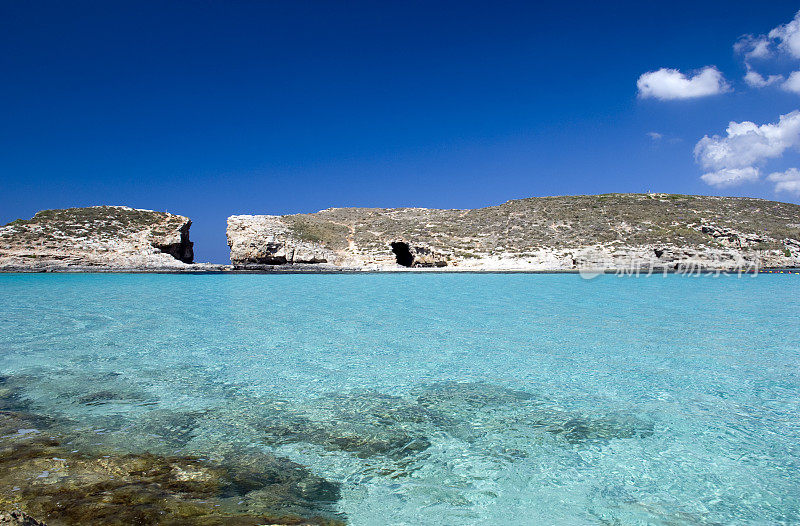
{"x": 792, "y": 83}
{"x": 753, "y": 47}
{"x": 735, "y": 158}
{"x": 786, "y": 181}
{"x": 784, "y": 38}
{"x": 788, "y": 36}
{"x": 731, "y": 176}
{"x": 756, "y": 80}
{"x": 666, "y": 84}
{"x": 655, "y": 136}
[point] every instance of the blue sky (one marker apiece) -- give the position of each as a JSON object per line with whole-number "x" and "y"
{"x": 209, "y": 109}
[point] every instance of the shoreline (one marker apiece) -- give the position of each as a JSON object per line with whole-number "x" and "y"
{"x": 227, "y": 269}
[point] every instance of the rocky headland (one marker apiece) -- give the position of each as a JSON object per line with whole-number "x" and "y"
{"x": 97, "y": 238}
{"x": 610, "y": 232}
{"x": 637, "y": 232}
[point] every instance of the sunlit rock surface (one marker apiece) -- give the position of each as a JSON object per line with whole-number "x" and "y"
{"x": 634, "y": 232}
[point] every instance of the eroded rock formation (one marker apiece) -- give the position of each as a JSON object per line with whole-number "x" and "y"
{"x": 636, "y": 232}
{"x": 100, "y": 237}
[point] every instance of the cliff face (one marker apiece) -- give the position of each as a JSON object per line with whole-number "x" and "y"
{"x": 612, "y": 231}
{"x": 103, "y": 237}
{"x": 271, "y": 240}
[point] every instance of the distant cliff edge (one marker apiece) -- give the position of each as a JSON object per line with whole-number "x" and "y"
{"x": 611, "y": 231}
{"x": 97, "y": 238}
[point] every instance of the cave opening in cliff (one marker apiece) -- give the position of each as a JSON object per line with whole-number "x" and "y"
{"x": 182, "y": 250}
{"x": 402, "y": 253}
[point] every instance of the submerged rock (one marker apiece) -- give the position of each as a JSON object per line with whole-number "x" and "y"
{"x": 370, "y": 424}
{"x": 365, "y": 423}
{"x": 11, "y": 397}
{"x": 577, "y": 429}
{"x": 270, "y": 483}
{"x": 472, "y": 409}
{"x": 17, "y": 518}
{"x": 173, "y": 429}
{"x": 472, "y": 395}
{"x": 60, "y": 485}
{"x": 108, "y": 396}
{"x": 15, "y": 425}
{"x": 158, "y": 431}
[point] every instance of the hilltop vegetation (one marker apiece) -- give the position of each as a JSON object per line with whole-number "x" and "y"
{"x": 631, "y": 219}
{"x": 90, "y": 222}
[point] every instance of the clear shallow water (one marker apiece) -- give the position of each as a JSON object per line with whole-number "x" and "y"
{"x": 437, "y": 398}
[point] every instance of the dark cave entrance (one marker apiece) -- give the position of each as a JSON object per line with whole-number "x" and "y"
{"x": 402, "y": 253}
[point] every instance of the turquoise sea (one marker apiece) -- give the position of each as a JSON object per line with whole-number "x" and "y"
{"x": 435, "y": 398}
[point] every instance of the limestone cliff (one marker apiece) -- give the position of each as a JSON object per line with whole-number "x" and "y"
{"x": 97, "y": 237}
{"x": 612, "y": 231}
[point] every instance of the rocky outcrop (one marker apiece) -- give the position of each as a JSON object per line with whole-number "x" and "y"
{"x": 271, "y": 240}
{"x": 97, "y": 237}
{"x": 633, "y": 232}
